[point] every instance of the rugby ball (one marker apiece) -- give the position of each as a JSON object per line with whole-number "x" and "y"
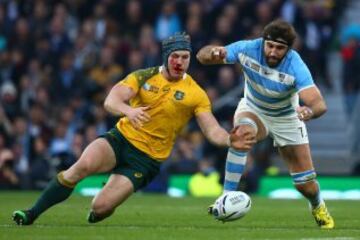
{"x": 231, "y": 206}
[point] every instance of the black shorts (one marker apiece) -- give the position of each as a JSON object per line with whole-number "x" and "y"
{"x": 139, "y": 167}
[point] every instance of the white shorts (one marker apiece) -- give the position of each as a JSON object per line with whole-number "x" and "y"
{"x": 284, "y": 130}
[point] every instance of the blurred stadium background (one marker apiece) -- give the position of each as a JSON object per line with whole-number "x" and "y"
{"x": 58, "y": 59}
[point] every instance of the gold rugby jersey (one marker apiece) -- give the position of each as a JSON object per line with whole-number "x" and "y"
{"x": 172, "y": 104}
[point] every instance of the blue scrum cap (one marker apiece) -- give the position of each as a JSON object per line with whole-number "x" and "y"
{"x": 178, "y": 41}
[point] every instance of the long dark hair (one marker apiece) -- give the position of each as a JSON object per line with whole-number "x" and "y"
{"x": 280, "y": 31}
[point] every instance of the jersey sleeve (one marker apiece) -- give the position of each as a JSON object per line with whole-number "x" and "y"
{"x": 130, "y": 81}
{"x": 303, "y": 78}
{"x": 233, "y": 50}
{"x": 204, "y": 104}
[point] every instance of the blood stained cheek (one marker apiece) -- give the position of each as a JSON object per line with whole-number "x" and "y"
{"x": 172, "y": 62}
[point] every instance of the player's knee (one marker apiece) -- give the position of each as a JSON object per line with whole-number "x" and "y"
{"x": 102, "y": 208}
{"x": 242, "y": 140}
{"x": 247, "y": 127}
{"x": 244, "y": 134}
{"x": 246, "y": 121}
{"x": 247, "y": 131}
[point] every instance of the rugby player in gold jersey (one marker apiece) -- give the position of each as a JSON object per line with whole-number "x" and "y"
{"x": 156, "y": 103}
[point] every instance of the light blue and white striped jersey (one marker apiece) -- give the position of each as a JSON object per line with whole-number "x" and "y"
{"x": 271, "y": 91}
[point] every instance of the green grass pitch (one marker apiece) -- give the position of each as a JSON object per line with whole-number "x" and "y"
{"x": 157, "y": 217}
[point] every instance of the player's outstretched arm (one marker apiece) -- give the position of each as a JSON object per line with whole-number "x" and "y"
{"x": 220, "y": 137}
{"x": 314, "y": 104}
{"x": 212, "y": 130}
{"x": 211, "y": 54}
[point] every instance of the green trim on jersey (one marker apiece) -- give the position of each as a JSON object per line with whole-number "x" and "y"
{"x": 143, "y": 75}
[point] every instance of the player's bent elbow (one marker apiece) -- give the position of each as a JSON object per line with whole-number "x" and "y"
{"x": 319, "y": 109}
{"x": 323, "y": 109}
{"x": 107, "y": 105}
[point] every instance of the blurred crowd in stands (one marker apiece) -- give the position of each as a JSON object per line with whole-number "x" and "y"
{"x": 350, "y": 53}
{"x": 58, "y": 60}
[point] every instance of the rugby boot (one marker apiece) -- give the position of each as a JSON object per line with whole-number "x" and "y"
{"x": 23, "y": 217}
{"x": 322, "y": 217}
{"x": 93, "y": 218}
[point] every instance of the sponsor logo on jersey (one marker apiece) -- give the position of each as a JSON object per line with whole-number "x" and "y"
{"x": 166, "y": 89}
{"x": 271, "y": 74}
{"x": 282, "y": 77}
{"x": 150, "y": 88}
{"x": 255, "y": 67}
{"x": 267, "y": 71}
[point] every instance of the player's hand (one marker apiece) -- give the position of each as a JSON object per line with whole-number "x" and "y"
{"x": 218, "y": 53}
{"x": 242, "y": 140}
{"x": 138, "y": 116}
{"x": 304, "y": 113}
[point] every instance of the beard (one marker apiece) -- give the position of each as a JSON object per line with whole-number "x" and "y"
{"x": 272, "y": 61}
